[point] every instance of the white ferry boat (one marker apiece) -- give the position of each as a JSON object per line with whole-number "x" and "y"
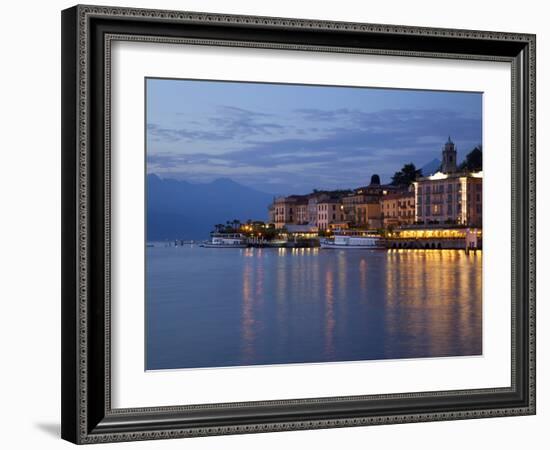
{"x": 226, "y": 241}
{"x": 353, "y": 241}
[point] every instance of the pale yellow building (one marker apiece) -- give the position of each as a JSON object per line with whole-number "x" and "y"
{"x": 295, "y": 210}
{"x": 454, "y": 198}
{"x": 449, "y": 196}
{"x": 398, "y": 209}
{"x": 288, "y": 210}
{"x": 361, "y": 208}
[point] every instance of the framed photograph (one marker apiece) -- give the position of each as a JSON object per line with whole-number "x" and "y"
{"x": 277, "y": 224}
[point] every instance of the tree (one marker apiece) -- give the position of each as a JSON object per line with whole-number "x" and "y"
{"x": 473, "y": 161}
{"x": 406, "y": 175}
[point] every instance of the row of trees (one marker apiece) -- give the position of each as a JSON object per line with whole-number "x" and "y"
{"x": 250, "y": 228}
{"x": 472, "y": 163}
{"x": 406, "y": 175}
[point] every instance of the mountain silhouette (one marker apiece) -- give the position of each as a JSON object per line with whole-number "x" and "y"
{"x": 431, "y": 167}
{"x": 177, "y": 209}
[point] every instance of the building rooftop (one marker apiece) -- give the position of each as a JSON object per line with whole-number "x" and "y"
{"x": 443, "y": 176}
{"x": 397, "y": 195}
{"x": 376, "y": 188}
{"x": 330, "y": 200}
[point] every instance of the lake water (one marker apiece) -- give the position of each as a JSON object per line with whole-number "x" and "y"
{"x": 234, "y": 307}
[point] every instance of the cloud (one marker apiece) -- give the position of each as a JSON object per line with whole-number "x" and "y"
{"x": 324, "y": 115}
{"x": 242, "y": 122}
{"x": 227, "y": 123}
{"x": 391, "y": 134}
{"x": 156, "y": 132}
{"x": 337, "y": 145}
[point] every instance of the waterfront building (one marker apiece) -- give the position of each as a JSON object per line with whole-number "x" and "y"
{"x": 312, "y": 210}
{"x": 368, "y": 215}
{"x": 353, "y": 202}
{"x": 301, "y": 214}
{"x": 434, "y": 237}
{"x": 449, "y": 196}
{"x": 325, "y": 210}
{"x": 289, "y": 210}
{"x": 280, "y": 211}
{"x": 398, "y": 208}
{"x": 361, "y": 207}
{"x": 301, "y": 231}
{"x": 329, "y": 211}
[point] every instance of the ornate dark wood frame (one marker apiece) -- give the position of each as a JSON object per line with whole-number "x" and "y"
{"x": 87, "y": 33}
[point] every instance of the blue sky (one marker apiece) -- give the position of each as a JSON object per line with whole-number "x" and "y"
{"x": 285, "y": 139}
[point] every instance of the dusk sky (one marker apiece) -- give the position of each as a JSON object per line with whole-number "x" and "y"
{"x": 284, "y": 139}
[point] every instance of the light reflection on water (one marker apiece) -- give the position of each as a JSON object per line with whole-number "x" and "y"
{"x": 228, "y": 307}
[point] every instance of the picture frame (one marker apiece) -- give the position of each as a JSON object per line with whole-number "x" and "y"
{"x": 87, "y": 413}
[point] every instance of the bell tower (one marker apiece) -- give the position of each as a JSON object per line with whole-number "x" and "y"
{"x": 448, "y": 164}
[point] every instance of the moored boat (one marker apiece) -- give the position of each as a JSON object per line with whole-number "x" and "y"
{"x": 220, "y": 240}
{"x": 354, "y": 241}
